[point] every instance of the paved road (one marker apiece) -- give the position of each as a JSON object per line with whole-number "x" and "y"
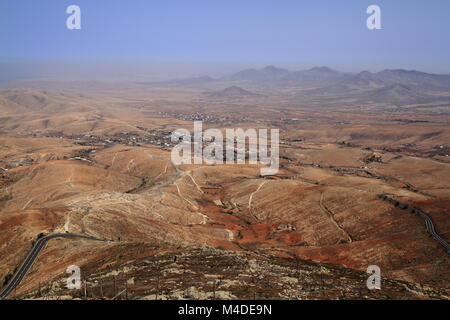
{"x": 39, "y": 245}
{"x": 428, "y": 222}
{"x": 31, "y": 257}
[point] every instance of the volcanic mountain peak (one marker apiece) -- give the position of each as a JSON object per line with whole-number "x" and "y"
{"x": 403, "y": 72}
{"x": 233, "y": 92}
{"x": 364, "y": 73}
{"x": 268, "y": 73}
{"x": 322, "y": 69}
{"x": 273, "y": 69}
{"x": 399, "y": 94}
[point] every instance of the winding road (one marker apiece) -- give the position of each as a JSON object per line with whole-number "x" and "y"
{"x": 26, "y": 265}
{"x": 428, "y": 222}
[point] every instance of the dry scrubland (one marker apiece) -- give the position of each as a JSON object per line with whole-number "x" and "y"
{"x": 96, "y": 163}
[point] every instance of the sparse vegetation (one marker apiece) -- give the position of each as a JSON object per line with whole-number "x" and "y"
{"x": 7, "y": 278}
{"x": 6, "y": 198}
{"x": 100, "y": 164}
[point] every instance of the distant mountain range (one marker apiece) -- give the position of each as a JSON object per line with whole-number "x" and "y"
{"x": 398, "y": 87}
{"x": 283, "y": 77}
{"x": 325, "y": 75}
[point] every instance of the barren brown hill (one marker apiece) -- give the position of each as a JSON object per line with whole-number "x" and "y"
{"x": 99, "y": 164}
{"x": 233, "y": 92}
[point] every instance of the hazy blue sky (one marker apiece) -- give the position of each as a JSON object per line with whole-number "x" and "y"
{"x": 231, "y": 34}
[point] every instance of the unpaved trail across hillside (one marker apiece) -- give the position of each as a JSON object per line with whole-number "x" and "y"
{"x": 330, "y": 214}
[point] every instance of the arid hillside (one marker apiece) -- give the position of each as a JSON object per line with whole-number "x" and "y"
{"x": 98, "y": 163}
